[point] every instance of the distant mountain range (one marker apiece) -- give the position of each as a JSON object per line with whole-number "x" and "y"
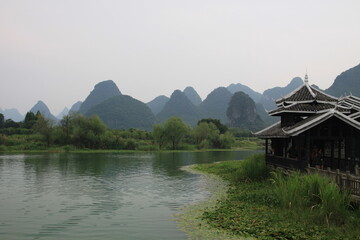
{"x": 270, "y": 95}
{"x": 41, "y": 107}
{"x": 158, "y": 103}
{"x": 215, "y": 104}
{"x": 63, "y": 113}
{"x": 233, "y": 88}
{"x": 192, "y": 95}
{"x": 102, "y": 91}
{"x": 122, "y": 112}
{"x": 179, "y": 105}
{"x": 75, "y": 107}
{"x": 117, "y": 111}
{"x": 13, "y": 114}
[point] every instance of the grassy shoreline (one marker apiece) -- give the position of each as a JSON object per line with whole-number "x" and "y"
{"x": 190, "y": 217}
{"x": 252, "y": 208}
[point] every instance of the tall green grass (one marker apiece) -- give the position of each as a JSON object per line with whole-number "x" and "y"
{"x": 252, "y": 169}
{"x": 312, "y": 192}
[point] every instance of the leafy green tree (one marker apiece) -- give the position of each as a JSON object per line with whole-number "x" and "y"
{"x": 58, "y": 136}
{"x": 112, "y": 139}
{"x": 87, "y": 132}
{"x": 38, "y": 114}
{"x": 206, "y": 134}
{"x": 30, "y": 120}
{"x": 175, "y": 130}
{"x": 45, "y": 127}
{"x": 205, "y": 131}
{"x": 221, "y": 127}
{"x": 79, "y": 136}
{"x": 97, "y": 126}
{"x": 159, "y": 135}
{"x": 3, "y": 139}
{"x": 9, "y": 123}
{"x": 65, "y": 127}
{"x": 2, "y": 120}
{"x": 226, "y": 140}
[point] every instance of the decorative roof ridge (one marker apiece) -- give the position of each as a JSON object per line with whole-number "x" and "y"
{"x": 354, "y": 115}
{"x": 310, "y": 89}
{"x": 338, "y": 105}
{"x": 291, "y": 105}
{"x": 322, "y": 102}
{"x": 352, "y": 122}
{"x": 292, "y": 102}
{"x": 309, "y": 101}
{"x": 356, "y": 97}
{"x": 351, "y": 97}
{"x": 351, "y": 101}
{"x": 313, "y": 112}
{"x": 319, "y": 91}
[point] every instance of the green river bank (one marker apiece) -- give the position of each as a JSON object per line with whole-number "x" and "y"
{"x": 247, "y": 201}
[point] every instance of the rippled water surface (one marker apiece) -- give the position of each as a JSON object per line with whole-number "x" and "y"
{"x": 99, "y": 196}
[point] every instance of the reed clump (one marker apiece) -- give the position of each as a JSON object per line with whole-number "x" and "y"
{"x": 301, "y": 192}
{"x": 252, "y": 169}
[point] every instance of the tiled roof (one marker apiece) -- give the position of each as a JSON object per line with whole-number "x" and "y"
{"x": 350, "y": 102}
{"x": 306, "y": 93}
{"x": 319, "y": 106}
{"x": 314, "y": 107}
{"x": 275, "y": 131}
{"x": 355, "y": 115}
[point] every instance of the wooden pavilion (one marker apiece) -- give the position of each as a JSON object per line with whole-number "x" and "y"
{"x": 315, "y": 129}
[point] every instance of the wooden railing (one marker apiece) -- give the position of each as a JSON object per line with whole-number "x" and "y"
{"x": 345, "y": 181}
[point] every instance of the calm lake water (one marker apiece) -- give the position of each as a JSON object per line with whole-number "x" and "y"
{"x": 99, "y": 196}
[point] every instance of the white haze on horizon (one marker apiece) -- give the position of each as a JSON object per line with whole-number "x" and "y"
{"x": 56, "y": 51}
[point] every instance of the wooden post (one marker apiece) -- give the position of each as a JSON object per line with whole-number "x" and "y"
{"x": 357, "y": 169}
{"x": 266, "y": 147}
{"x": 348, "y": 180}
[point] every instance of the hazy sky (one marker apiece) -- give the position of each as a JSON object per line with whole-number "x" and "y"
{"x": 56, "y": 51}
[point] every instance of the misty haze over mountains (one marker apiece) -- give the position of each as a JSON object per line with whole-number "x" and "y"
{"x": 120, "y": 111}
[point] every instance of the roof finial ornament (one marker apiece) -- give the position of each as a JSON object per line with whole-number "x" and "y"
{"x": 306, "y": 78}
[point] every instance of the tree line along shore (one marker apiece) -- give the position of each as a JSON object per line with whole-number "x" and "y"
{"x": 76, "y": 132}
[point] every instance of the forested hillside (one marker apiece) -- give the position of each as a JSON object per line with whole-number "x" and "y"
{"x": 346, "y": 83}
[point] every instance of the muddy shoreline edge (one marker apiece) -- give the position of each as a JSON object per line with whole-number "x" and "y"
{"x": 189, "y": 217}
